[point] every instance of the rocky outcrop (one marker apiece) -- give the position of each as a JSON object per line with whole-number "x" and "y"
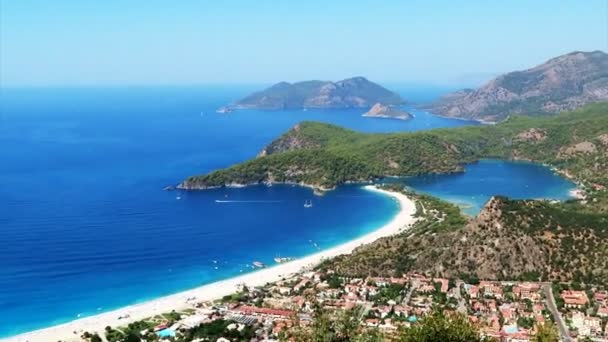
{"x": 532, "y": 135}
{"x": 585, "y": 147}
{"x": 292, "y": 140}
{"x": 562, "y": 83}
{"x": 380, "y": 110}
{"x": 356, "y": 92}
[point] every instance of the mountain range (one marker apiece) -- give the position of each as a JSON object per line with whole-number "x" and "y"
{"x": 563, "y": 83}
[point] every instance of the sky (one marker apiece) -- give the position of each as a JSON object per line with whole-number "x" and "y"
{"x": 150, "y": 42}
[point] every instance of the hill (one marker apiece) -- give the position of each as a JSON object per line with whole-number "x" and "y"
{"x": 509, "y": 239}
{"x": 563, "y": 83}
{"x": 356, "y": 92}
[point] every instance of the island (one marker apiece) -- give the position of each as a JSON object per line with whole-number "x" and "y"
{"x": 355, "y": 92}
{"x": 380, "y": 110}
{"x": 563, "y": 83}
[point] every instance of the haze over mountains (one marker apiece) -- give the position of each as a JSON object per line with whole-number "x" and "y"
{"x": 563, "y": 83}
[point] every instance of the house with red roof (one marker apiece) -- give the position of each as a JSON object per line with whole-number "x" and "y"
{"x": 574, "y": 299}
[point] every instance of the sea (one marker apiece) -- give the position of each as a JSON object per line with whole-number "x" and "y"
{"x": 86, "y": 226}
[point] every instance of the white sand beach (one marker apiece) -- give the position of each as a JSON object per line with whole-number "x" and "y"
{"x": 97, "y": 323}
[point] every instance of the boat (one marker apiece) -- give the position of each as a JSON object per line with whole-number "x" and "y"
{"x": 224, "y": 110}
{"x": 258, "y": 264}
{"x": 308, "y": 204}
{"x": 280, "y": 260}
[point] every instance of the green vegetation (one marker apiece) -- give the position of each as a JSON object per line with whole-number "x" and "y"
{"x": 545, "y": 333}
{"x": 219, "y": 328}
{"x": 344, "y": 327}
{"x": 392, "y": 256}
{"x": 348, "y": 93}
{"x": 324, "y": 156}
{"x": 578, "y": 237}
{"x": 510, "y": 239}
{"x": 438, "y": 327}
{"x": 210, "y": 331}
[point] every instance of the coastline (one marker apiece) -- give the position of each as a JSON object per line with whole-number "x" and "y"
{"x": 216, "y": 290}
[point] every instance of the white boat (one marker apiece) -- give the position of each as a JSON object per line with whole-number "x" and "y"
{"x": 258, "y": 264}
{"x": 224, "y": 110}
{"x": 308, "y": 204}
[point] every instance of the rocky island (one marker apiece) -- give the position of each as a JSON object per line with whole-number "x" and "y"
{"x": 356, "y": 92}
{"x": 563, "y": 83}
{"x": 380, "y": 110}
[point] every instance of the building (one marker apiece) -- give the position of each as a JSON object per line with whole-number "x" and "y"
{"x": 574, "y": 299}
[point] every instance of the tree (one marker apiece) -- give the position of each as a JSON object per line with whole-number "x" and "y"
{"x": 545, "y": 333}
{"x": 344, "y": 326}
{"x": 132, "y": 338}
{"x": 438, "y": 327}
{"x": 95, "y": 338}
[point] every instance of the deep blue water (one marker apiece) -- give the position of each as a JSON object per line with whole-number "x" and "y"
{"x": 86, "y": 226}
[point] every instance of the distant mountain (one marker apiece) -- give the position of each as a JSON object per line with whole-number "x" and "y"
{"x": 380, "y": 110}
{"x": 561, "y": 84}
{"x": 356, "y": 92}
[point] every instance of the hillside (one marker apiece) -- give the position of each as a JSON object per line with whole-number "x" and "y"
{"x": 356, "y": 92}
{"x": 509, "y": 239}
{"x": 324, "y": 156}
{"x": 563, "y": 83}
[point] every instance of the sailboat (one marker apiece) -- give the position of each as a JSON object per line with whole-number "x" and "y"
{"x": 307, "y": 204}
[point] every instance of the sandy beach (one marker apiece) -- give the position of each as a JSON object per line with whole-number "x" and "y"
{"x": 97, "y": 323}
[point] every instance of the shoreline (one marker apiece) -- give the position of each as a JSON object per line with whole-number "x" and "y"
{"x": 216, "y": 290}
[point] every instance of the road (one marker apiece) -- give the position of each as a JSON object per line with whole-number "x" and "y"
{"x": 563, "y": 329}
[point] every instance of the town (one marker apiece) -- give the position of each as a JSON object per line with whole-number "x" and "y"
{"x": 509, "y": 311}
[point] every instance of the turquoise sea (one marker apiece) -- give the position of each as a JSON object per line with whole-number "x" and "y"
{"x": 87, "y": 228}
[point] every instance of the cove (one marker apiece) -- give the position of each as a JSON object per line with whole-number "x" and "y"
{"x": 482, "y": 180}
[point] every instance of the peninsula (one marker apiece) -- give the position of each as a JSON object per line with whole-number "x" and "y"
{"x": 324, "y": 156}
{"x": 356, "y": 92}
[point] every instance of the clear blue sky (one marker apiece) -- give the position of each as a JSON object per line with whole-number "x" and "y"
{"x": 73, "y": 42}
